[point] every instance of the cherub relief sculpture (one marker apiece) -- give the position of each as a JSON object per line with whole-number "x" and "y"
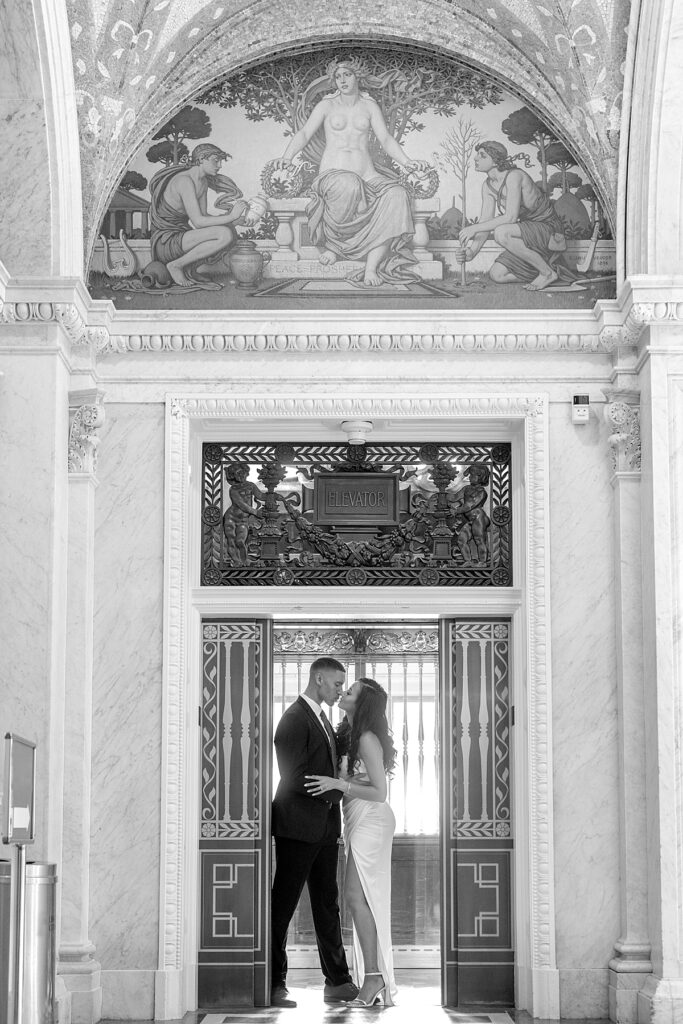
{"x": 472, "y": 521}
{"x": 242, "y": 512}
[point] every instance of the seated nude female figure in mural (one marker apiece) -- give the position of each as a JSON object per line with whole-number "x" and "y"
{"x": 358, "y": 212}
{"x": 522, "y": 220}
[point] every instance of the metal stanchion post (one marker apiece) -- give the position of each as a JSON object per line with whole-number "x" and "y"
{"x": 19, "y": 797}
{"x": 19, "y": 918}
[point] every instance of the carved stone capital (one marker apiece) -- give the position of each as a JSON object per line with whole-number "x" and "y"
{"x": 86, "y": 419}
{"x": 622, "y": 414}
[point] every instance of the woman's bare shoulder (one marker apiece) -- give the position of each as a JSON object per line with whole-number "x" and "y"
{"x": 369, "y": 742}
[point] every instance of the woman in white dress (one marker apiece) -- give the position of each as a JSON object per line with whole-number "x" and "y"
{"x": 366, "y": 756}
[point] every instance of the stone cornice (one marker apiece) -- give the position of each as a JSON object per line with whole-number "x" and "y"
{"x": 97, "y": 324}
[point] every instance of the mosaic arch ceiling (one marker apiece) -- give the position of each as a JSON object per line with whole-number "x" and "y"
{"x": 435, "y": 109}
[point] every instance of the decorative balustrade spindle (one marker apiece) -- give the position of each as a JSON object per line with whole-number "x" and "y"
{"x": 484, "y": 730}
{"x": 465, "y": 732}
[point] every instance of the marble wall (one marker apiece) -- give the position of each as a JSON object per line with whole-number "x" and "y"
{"x": 584, "y": 711}
{"x": 25, "y": 225}
{"x": 126, "y": 738}
{"x": 33, "y": 513}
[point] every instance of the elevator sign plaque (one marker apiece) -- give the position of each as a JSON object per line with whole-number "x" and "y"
{"x": 356, "y": 499}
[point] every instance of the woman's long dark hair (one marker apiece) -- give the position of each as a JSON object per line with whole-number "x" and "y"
{"x": 369, "y": 715}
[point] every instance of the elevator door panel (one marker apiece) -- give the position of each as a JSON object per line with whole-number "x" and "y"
{"x": 477, "y": 932}
{"x": 234, "y": 833}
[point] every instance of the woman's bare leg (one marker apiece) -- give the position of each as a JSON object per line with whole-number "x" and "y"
{"x": 366, "y": 930}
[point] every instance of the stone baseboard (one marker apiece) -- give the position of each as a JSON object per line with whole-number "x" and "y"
{"x": 128, "y": 995}
{"x": 584, "y": 993}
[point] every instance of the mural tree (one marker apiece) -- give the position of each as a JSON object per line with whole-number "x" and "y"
{"x": 569, "y": 207}
{"x": 166, "y": 153}
{"x": 524, "y": 128}
{"x": 558, "y": 155}
{"x": 188, "y": 123}
{"x": 133, "y": 180}
{"x": 457, "y": 147}
{"x": 587, "y": 193}
{"x": 405, "y": 86}
{"x": 597, "y": 215}
{"x": 565, "y": 181}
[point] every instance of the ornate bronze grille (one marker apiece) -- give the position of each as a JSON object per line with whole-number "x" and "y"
{"x": 352, "y": 515}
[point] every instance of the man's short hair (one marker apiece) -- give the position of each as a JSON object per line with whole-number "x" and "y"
{"x": 326, "y": 665}
{"x": 205, "y": 149}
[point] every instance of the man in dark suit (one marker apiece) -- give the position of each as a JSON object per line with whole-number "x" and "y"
{"x": 306, "y": 830}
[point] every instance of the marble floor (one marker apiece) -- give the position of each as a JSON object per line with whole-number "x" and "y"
{"x": 420, "y": 1003}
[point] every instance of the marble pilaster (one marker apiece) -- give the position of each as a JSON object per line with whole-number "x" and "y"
{"x": 126, "y": 739}
{"x": 660, "y": 1000}
{"x": 631, "y": 965}
{"x": 79, "y": 971}
{"x": 33, "y": 528}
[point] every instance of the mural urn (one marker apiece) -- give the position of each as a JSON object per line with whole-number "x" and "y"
{"x": 246, "y": 263}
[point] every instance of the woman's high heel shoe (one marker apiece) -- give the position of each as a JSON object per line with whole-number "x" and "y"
{"x": 381, "y": 993}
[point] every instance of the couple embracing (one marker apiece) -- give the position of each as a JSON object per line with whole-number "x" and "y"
{"x": 319, "y": 770}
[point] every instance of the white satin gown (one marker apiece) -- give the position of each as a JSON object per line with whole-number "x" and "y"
{"x": 368, "y": 834}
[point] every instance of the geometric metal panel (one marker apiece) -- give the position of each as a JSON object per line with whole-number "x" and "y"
{"x": 230, "y": 918}
{"x": 477, "y": 946}
{"x": 297, "y": 514}
{"x": 234, "y": 838}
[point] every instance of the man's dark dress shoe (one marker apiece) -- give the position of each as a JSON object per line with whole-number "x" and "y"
{"x": 340, "y": 993}
{"x": 279, "y": 996}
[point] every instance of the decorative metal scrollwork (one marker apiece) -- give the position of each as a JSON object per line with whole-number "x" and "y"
{"x": 291, "y": 514}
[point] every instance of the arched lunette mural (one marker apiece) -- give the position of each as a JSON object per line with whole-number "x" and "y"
{"x": 354, "y": 177}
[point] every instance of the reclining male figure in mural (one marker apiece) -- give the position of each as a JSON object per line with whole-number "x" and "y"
{"x": 183, "y": 233}
{"x": 358, "y": 212}
{"x": 522, "y": 220}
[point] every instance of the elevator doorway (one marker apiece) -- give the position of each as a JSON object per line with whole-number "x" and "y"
{"x": 465, "y": 706}
{"x": 404, "y": 659}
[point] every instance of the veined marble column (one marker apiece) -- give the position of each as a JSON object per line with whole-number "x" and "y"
{"x": 631, "y": 965}
{"x": 77, "y": 967}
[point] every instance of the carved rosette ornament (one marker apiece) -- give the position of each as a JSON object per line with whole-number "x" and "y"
{"x": 623, "y": 417}
{"x": 83, "y": 441}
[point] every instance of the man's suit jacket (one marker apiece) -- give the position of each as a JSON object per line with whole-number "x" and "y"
{"x": 303, "y": 749}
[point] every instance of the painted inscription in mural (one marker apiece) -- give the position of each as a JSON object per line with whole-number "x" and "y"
{"x": 354, "y": 178}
